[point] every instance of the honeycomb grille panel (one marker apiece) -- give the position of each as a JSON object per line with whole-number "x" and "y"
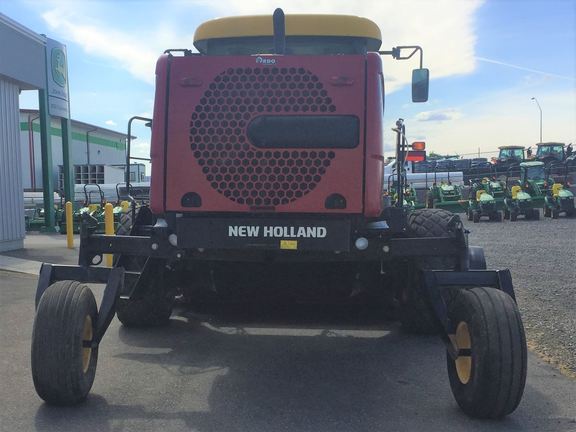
{"x": 234, "y": 167}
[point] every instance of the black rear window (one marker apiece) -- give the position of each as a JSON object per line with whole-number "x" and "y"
{"x": 295, "y": 45}
{"x": 336, "y": 131}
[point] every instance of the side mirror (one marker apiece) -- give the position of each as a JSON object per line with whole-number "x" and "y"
{"x": 420, "y": 78}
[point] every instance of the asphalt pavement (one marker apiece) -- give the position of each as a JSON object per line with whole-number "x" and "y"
{"x": 200, "y": 374}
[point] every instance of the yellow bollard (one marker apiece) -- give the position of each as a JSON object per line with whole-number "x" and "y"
{"x": 69, "y": 226}
{"x": 109, "y": 228}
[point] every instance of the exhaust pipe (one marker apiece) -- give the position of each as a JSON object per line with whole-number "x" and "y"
{"x": 279, "y": 31}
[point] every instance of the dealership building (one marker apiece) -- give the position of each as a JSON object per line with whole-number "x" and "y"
{"x": 45, "y": 150}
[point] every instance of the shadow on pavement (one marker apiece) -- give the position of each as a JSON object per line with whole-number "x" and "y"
{"x": 283, "y": 377}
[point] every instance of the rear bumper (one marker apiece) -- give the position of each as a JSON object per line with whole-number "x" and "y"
{"x": 269, "y": 239}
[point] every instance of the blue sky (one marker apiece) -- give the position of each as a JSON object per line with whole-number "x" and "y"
{"x": 487, "y": 59}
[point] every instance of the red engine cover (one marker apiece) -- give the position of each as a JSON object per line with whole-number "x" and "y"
{"x": 201, "y": 151}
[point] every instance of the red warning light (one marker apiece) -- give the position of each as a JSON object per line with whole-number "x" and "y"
{"x": 418, "y": 145}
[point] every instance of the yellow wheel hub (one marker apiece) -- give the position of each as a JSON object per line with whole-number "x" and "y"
{"x": 463, "y": 362}
{"x": 87, "y": 343}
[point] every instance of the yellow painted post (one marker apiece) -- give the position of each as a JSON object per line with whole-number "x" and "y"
{"x": 69, "y": 226}
{"x": 109, "y": 228}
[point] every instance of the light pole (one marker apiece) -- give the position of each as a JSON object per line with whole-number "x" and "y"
{"x": 540, "y": 108}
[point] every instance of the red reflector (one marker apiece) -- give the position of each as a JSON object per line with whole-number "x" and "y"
{"x": 416, "y": 156}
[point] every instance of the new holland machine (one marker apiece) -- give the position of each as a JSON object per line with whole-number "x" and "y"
{"x": 267, "y": 168}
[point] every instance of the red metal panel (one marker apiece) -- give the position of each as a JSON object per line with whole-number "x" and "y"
{"x": 213, "y": 99}
{"x": 157, "y": 142}
{"x": 374, "y": 137}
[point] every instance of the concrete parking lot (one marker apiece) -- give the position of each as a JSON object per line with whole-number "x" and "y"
{"x": 207, "y": 373}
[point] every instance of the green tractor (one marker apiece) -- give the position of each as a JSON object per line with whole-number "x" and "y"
{"x": 535, "y": 181}
{"x": 497, "y": 189}
{"x": 410, "y": 198}
{"x": 559, "y": 199}
{"x": 482, "y": 203}
{"x": 445, "y": 195}
{"x": 519, "y": 202}
{"x": 96, "y": 210}
{"x": 34, "y": 218}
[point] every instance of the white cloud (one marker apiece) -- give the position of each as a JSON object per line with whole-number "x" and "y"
{"x": 110, "y": 122}
{"x": 501, "y": 118}
{"x": 136, "y": 52}
{"x": 523, "y": 68}
{"x": 444, "y": 28}
{"x": 439, "y": 115}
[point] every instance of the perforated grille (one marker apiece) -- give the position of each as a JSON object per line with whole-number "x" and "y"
{"x": 234, "y": 167}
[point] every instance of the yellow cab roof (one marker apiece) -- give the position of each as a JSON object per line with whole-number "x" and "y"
{"x": 296, "y": 25}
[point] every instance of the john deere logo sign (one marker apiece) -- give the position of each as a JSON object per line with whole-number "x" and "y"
{"x": 59, "y": 66}
{"x": 57, "y": 79}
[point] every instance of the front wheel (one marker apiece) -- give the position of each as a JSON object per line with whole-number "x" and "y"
{"x": 64, "y": 356}
{"x": 488, "y": 376}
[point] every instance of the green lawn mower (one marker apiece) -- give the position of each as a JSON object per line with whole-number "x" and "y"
{"x": 481, "y": 202}
{"x": 559, "y": 199}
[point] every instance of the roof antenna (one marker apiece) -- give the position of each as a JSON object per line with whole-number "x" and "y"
{"x": 279, "y": 31}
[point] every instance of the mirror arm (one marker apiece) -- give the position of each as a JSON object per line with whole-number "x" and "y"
{"x": 395, "y": 53}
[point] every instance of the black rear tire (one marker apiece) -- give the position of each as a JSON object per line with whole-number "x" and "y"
{"x": 555, "y": 214}
{"x": 488, "y": 378}
{"x": 514, "y": 216}
{"x": 63, "y": 361}
{"x": 535, "y": 214}
{"x": 476, "y": 216}
{"x": 416, "y": 315}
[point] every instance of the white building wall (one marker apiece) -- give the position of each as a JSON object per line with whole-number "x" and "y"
{"x": 106, "y": 148}
{"x": 11, "y": 197}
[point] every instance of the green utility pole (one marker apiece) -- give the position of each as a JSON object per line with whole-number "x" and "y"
{"x": 46, "y": 151}
{"x": 68, "y": 175}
